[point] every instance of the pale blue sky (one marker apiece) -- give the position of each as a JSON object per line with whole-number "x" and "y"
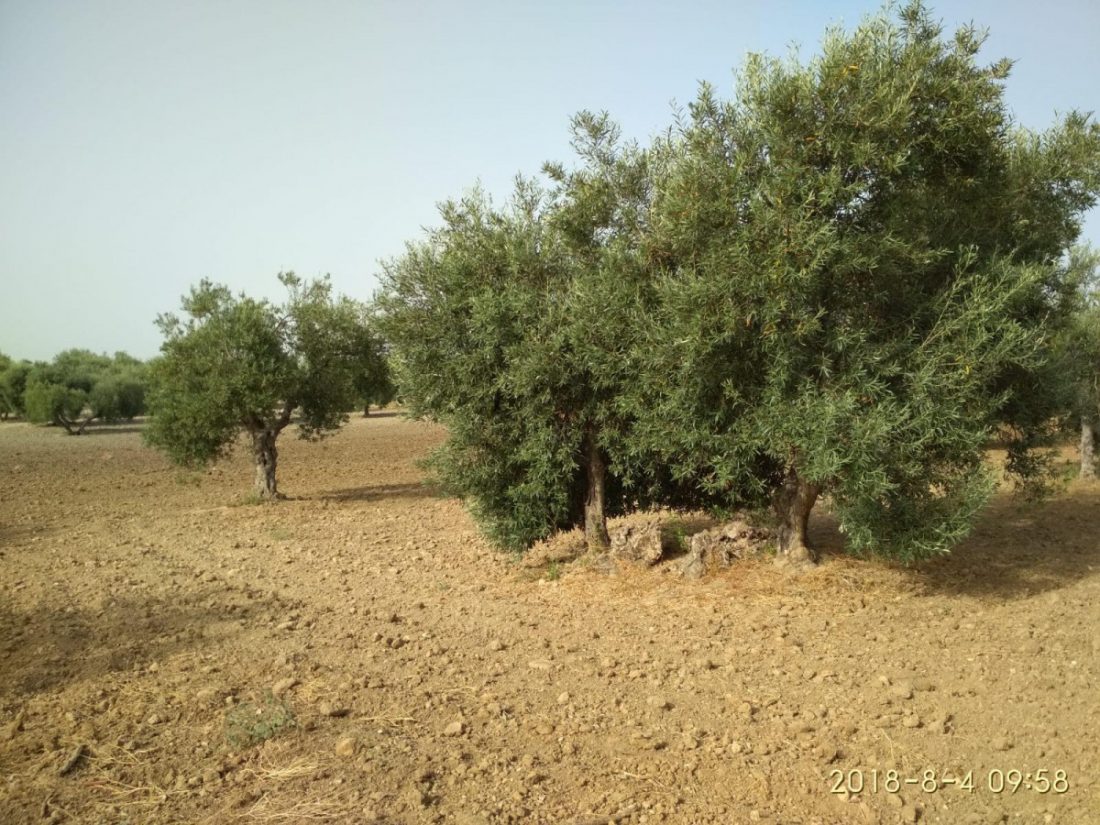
{"x": 146, "y": 144}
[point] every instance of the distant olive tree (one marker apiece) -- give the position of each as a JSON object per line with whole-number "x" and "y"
{"x": 79, "y": 387}
{"x": 50, "y": 402}
{"x": 7, "y": 409}
{"x": 237, "y": 364}
{"x": 374, "y": 381}
{"x": 13, "y": 388}
{"x": 1079, "y": 363}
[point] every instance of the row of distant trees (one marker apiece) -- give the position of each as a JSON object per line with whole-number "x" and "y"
{"x": 346, "y": 361}
{"x": 75, "y": 389}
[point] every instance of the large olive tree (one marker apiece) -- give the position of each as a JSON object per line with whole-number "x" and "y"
{"x": 862, "y": 281}
{"x": 513, "y": 327}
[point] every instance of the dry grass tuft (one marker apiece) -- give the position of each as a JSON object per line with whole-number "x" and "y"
{"x": 295, "y": 768}
{"x": 272, "y": 809}
{"x": 389, "y": 721}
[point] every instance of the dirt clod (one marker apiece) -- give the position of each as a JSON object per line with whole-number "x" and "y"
{"x": 284, "y": 685}
{"x": 73, "y": 759}
{"x": 347, "y": 746}
{"x": 637, "y": 543}
{"x": 332, "y": 709}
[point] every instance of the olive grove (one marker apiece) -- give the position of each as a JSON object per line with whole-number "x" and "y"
{"x": 839, "y": 283}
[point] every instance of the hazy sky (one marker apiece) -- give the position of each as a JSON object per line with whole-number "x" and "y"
{"x": 145, "y": 144}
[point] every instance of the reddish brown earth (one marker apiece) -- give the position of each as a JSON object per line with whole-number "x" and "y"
{"x": 146, "y": 612}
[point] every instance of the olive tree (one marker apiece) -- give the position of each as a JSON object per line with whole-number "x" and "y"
{"x": 861, "y": 257}
{"x": 79, "y": 387}
{"x": 236, "y": 364}
{"x": 374, "y": 382}
{"x": 13, "y": 385}
{"x": 511, "y": 326}
{"x": 6, "y": 405}
{"x": 472, "y": 314}
{"x": 1079, "y": 364}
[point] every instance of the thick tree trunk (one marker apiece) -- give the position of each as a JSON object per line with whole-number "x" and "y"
{"x": 595, "y": 517}
{"x": 265, "y": 455}
{"x": 366, "y": 411}
{"x": 793, "y": 503}
{"x": 1088, "y": 449}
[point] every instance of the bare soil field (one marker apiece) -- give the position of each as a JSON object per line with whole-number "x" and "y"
{"x": 171, "y": 654}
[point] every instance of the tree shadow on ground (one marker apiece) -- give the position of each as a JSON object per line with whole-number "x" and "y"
{"x": 382, "y": 414}
{"x": 1017, "y": 549}
{"x": 16, "y": 533}
{"x": 53, "y": 645}
{"x": 113, "y": 429}
{"x": 376, "y": 492}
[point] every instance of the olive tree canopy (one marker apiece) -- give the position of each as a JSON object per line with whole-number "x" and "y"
{"x": 238, "y": 364}
{"x": 862, "y": 277}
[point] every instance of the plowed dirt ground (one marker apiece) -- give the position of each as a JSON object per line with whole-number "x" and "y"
{"x": 405, "y": 672}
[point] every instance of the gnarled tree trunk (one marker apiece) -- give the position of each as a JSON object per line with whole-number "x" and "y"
{"x": 366, "y": 411}
{"x": 1088, "y": 449}
{"x": 793, "y": 502}
{"x": 73, "y": 426}
{"x": 265, "y": 456}
{"x": 264, "y": 432}
{"x": 595, "y": 517}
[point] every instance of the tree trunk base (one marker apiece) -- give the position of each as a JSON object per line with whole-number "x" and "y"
{"x": 265, "y": 457}
{"x": 595, "y": 517}
{"x": 793, "y": 503}
{"x": 796, "y": 559}
{"x": 1088, "y": 450}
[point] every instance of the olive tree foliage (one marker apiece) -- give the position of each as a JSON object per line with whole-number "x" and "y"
{"x": 861, "y": 280}
{"x": 79, "y": 387}
{"x": 119, "y": 394}
{"x": 512, "y": 326}
{"x": 473, "y": 314}
{"x": 234, "y": 364}
{"x": 374, "y": 383}
{"x": 13, "y": 385}
{"x": 7, "y": 399}
{"x": 1079, "y": 363}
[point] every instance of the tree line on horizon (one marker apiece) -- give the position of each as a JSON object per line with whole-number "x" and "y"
{"x": 79, "y": 387}
{"x": 839, "y": 284}
{"x": 74, "y": 389}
